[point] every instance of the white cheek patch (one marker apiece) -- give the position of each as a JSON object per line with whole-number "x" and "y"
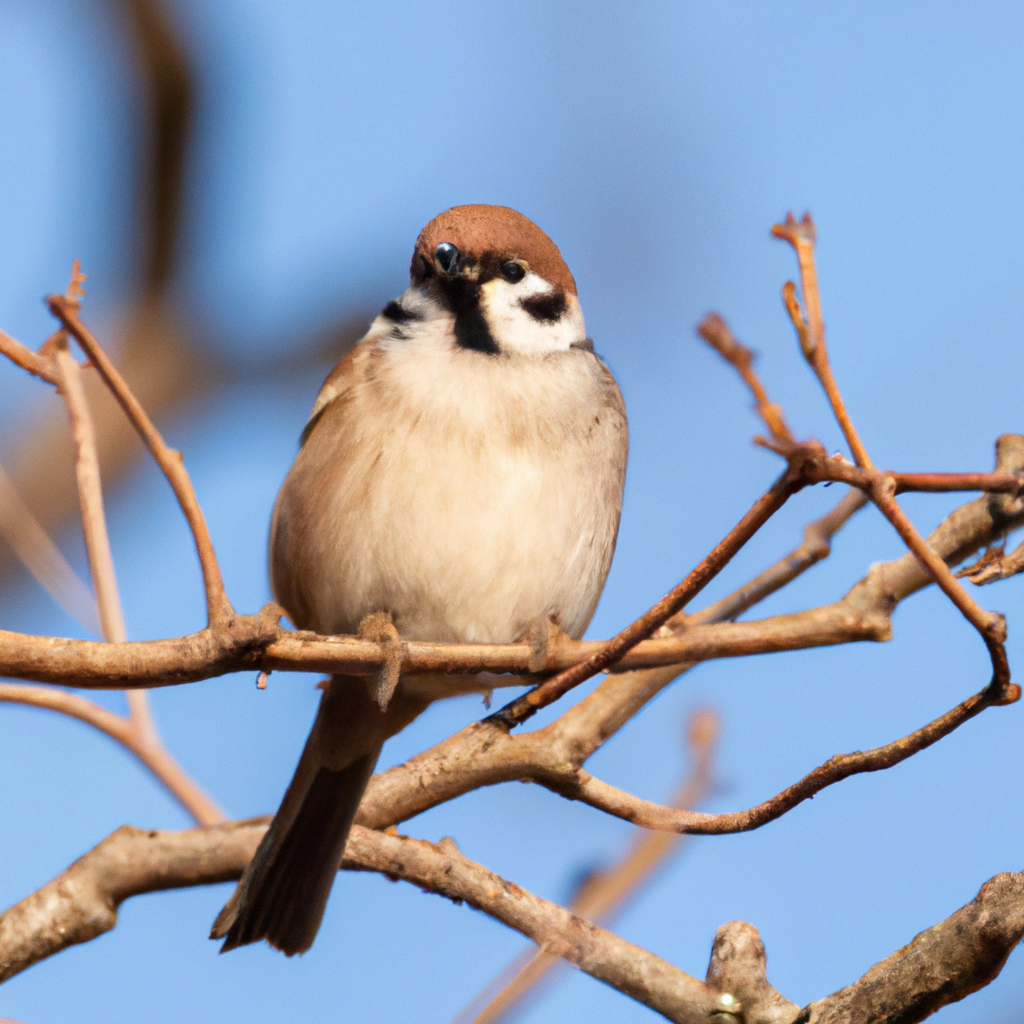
{"x": 516, "y": 330}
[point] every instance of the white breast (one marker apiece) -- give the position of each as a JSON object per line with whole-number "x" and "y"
{"x": 468, "y": 494}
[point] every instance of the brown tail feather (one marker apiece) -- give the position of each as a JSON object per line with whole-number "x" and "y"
{"x": 283, "y": 892}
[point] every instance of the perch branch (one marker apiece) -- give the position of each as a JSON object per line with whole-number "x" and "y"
{"x": 484, "y": 754}
{"x": 257, "y": 642}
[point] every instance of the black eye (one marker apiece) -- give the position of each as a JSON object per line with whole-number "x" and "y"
{"x": 512, "y": 271}
{"x": 447, "y": 257}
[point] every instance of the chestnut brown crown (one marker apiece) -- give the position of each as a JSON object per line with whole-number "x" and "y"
{"x": 478, "y": 229}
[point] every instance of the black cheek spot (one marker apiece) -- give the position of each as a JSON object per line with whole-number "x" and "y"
{"x": 546, "y": 308}
{"x": 397, "y": 313}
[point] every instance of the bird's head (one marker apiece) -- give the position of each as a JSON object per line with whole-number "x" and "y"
{"x": 503, "y": 279}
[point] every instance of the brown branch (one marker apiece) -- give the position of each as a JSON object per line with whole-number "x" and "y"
{"x": 816, "y": 546}
{"x": 604, "y": 892}
{"x": 1001, "y": 567}
{"x": 990, "y": 625}
{"x": 256, "y": 642}
{"x": 170, "y": 462}
{"x": 484, "y": 754}
{"x": 21, "y": 355}
{"x": 83, "y": 903}
{"x": 138, "y": 732}
{"x": 94, "y": 523}
{"x": 90, "y": 496}
{"x": 940, "y": 966}
{"x": 601, "y": 954}
{"x": 592, "y": 791}
{"x": 801, "y": 236}
{"x": 881, "y": 487}
{"x": 153, "y": 756}
{"x": 997, "y": 483}
{"x": 715, "y": 331}
{"x": 943, "y": 964}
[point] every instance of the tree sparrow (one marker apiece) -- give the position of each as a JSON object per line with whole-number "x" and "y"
{"x": 462, "y": 471}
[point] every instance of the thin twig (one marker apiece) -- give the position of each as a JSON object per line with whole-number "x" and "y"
{"x": 816, "y": 546}
{"x": 170, "y": 462}
{"x": 715, "y": 331}
{"x": 994, "y": 483}
{"x": 999, "y": 567}
{"x": 139, "y": 732}
{"x": 156, "y": 759}
{"x": 881, "y": 487}
{"x": 990, "y": 625}
{"x": 90, "y": 496}
{"x": 801, "y": 236}
{"x": 94, "y": 522}
{"x": 21, "y": 355}
{"x": 624, "y": 805}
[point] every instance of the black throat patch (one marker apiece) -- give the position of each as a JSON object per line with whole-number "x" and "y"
{"x": 462, "y": 297}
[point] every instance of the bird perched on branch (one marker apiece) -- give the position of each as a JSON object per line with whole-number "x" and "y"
{"x": 459, "y": 480}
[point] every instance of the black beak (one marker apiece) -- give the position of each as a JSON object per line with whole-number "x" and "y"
{"x": 446, "y": 256}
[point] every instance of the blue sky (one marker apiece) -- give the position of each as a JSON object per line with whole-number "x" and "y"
{"x": 656, "y": 144}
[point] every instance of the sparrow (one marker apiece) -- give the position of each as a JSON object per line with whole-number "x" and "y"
{"x": 460, "y": 477}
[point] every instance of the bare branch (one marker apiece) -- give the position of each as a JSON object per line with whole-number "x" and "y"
{"x": 152, "y": 755}
{"x": 604, "y": 892}
{"x": 484, "y": 754}
{"x": 816, "y": 546}
{"x": 801, "y": 235}
{"x": 21, "y": 355}
{"x": 614, "y": 801}
{"x": 217, "y": 606}
{"x": 82, "y": 902}
{"x": 940, "y": 966}
{"x": 625, "y": 967}
{"x": 935, "y": 483}
{"x": 139, "y": 734}
{"x": 715, "y": 331}
{"x": 90, "y": 495}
